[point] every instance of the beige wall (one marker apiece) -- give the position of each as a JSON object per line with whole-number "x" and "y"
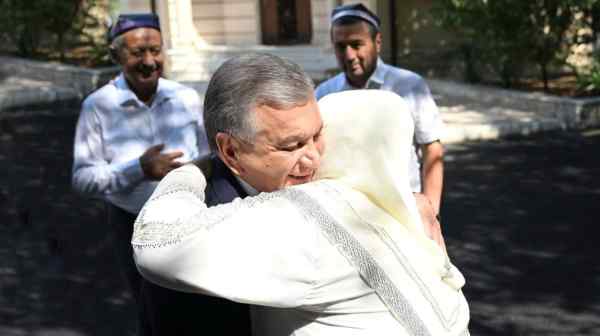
{"x": 232, "y": 22}
{"x": 321, "y": 10}
{"x": 134, "y": 6}
{"x": 227, "y": 22}
{"x": 237, "y": 22}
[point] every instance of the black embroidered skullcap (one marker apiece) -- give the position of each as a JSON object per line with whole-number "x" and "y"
{"x": 355, "y": 10}
{"x": 127, "y": 22}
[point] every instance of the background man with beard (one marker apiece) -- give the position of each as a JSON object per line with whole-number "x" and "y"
{"x": 133, "y": 131}
{"x": 356, "y": 40}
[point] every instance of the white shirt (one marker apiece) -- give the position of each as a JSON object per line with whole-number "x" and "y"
{"x": 115, "y": 128}
{"x": 410, "y": 86}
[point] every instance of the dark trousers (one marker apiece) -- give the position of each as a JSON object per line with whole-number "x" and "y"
{"x": 121, "y": 222}
{"x": 165, "y": 312}
{"x": 171, "y": 312}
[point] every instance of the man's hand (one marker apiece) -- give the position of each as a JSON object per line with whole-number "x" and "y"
{"x": 432, "y": 226}
{"x": 156, "y": 164}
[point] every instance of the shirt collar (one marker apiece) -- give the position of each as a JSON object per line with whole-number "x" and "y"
{"x": 378, "y": 75}
{"x": 127, "y": 96}
{"x": 376, "y": 79}
{"x": 247, "y": 188}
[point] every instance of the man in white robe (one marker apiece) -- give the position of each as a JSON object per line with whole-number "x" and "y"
{"x": 344, "y": 255}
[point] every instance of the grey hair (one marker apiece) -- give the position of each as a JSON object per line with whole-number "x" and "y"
{"x": 245, "y": 82}
{"x": 116, "y": 46}
{"x": 118, "y": 42}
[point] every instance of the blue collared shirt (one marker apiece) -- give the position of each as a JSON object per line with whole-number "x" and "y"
{"x": 115, "y": 128}
{"x": 414, "y": 90}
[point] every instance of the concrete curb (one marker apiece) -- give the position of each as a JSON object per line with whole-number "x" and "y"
{"x": 568, "y": 112}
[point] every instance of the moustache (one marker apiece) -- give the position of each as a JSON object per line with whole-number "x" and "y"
{"x": 148, "y": 69}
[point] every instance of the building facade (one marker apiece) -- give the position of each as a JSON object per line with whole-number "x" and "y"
{"x": 201, "y": 34}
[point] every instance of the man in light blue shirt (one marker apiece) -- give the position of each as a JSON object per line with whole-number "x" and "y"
{"x": 357, "y": 43}
{"x": 133, "y": 131}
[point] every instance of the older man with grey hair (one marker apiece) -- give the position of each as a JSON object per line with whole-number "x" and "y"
{"x": 264, "y": 131}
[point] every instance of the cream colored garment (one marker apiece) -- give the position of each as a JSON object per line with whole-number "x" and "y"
{"x": 345, "y": 255}
{"x": 369, "y": 134}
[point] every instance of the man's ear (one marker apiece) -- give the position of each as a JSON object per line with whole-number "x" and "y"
{"x": 378, "y": 42}
{"x": 228, "y": 149}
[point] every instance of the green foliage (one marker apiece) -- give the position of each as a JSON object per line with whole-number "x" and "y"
{"x": 590, "y": 80}
{"x": 50, "y": 27}
{"x": 509, "y": 35}
{"x": 20, "y": 26}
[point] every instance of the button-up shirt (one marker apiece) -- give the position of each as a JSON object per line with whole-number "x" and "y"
{"x": 115, "y": 128}
{"x": 414, "y": 90}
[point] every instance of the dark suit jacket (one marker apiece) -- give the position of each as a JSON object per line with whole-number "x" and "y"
{"x": 172, "y": 313}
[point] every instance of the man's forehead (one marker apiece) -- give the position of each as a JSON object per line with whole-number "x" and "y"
{"x": 143, "y": 34}
{"x": 298, "y": 121}
{"x": 355, "y": 31}
{"x": 357, "y": 28}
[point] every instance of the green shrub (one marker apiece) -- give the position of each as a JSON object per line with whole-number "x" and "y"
{"x": 51, "y": 28}
{"x": 589, "y": 81}
{"x": 509, "y": 36}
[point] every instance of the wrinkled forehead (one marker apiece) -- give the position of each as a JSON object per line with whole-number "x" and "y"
{"x": 298, "y": 121}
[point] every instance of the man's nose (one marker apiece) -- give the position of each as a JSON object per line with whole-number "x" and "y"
{"x": 349, "y": 53}
{"x": 311, "y": 158}
{"x": 148, "y": 58}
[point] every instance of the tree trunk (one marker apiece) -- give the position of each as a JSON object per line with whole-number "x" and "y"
{"x": 544, "y": 70}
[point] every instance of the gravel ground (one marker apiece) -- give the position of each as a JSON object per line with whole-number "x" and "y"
{"x": 518, "y": 216}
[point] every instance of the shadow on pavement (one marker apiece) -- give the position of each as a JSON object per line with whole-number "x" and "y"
{"x": 520, "y": 222}
{"x": 58, "y": 275}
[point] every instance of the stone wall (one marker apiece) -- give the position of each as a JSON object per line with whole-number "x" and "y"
{"x": 82, "y": 80}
